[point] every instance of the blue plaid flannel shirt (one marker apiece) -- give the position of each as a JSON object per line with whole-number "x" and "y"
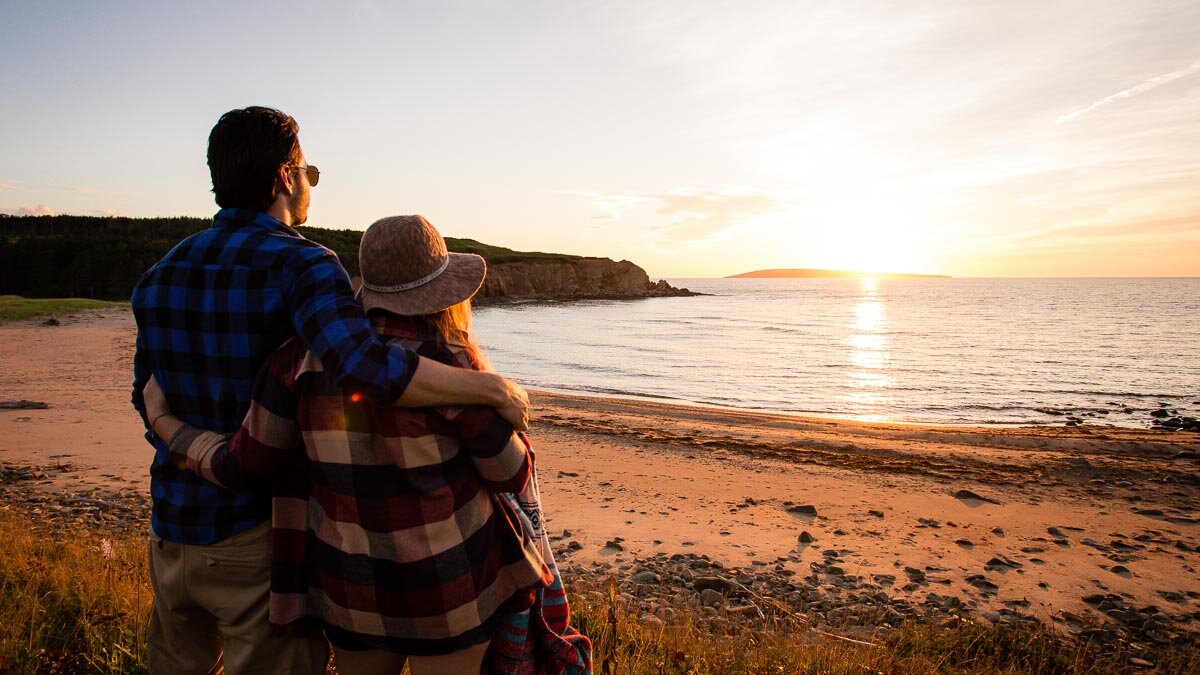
{"x": 208, "y": 314}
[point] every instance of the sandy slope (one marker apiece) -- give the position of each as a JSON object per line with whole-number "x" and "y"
{"x": 682, "y": 479}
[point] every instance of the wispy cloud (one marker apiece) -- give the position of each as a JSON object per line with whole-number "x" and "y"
{"x": 108, "y": 213}
{"x": 683, "y": 214}
{"x": 609, "y": 205}
{"x": 39, "y": 210}
{"x": 7, "y": 186}
{"x": 1141, "y": 88}
{"x": 699, "y": 215}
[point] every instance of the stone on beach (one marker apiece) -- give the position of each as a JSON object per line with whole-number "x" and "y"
{"x": 968, "y": 495}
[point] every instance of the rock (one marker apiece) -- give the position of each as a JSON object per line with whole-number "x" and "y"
{"x": 23, "y": 405}
{"x": 803, "y": 509}
{"x": 1173, "y": 596}
{"x": 981, "y": 582}
{"x": 614, "y": 543}
{"x": 1148, "y": 512}
{"x": 965, "y": 543}
{"x": 651, "y": 621}
{"x": 572, "y": 278}
{"x": 713, "y": 583}
{"x": 710, "y": 597}
{"x": 1121, "y": 570}
{"x": 806, "y": 538}
{"x": 968, "y": 495}
{"x": 51, "y": 322}
{"x": 645, "y": 577}
{"x": 1160, "y": 413}
{"x": 873, "y": 512}
{"x": 574, "y": 546}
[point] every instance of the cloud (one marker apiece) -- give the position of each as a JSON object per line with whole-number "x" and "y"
{"x": 7, "y": 186}
{"x": 1141, "y": 88}
{"x": 609, "y": 206}
{"x": 689, "y": 214}
{"x": 39, "y": 210}
{"x": 699, "y": 215}
{"x": 108, "y": 213}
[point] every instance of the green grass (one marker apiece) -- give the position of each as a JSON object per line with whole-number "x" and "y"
{"x": 15, "y": 307}
{"x": 498, "y": 254}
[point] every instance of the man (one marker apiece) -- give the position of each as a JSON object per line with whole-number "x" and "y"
{"x": 208, "y": 315}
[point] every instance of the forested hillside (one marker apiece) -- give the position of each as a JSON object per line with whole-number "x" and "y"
{"x": 91, "y": 257}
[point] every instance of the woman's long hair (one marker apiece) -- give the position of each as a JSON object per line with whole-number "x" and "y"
{"x": 453, "y": 326}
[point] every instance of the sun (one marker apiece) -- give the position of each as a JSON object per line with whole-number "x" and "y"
{"x": 869, "y": 238}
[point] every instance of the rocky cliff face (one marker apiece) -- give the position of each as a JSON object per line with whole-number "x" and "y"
{"x": 577, "y": 278}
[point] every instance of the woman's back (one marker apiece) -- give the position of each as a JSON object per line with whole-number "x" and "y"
{"x": 392, "y": 531}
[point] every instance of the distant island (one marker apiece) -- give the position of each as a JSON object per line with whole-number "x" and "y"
{"x": 829, "y": 274}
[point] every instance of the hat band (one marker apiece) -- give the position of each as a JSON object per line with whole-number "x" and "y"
{"x": 410, "y": 284}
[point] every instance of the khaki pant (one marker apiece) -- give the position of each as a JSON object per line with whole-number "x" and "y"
{"x": 378, "y": 662}
{"x": 210, "y": 611}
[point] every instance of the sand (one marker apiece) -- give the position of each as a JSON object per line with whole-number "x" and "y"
{"x": 1067, "y": 512}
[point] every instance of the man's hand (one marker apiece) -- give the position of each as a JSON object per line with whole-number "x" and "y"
{"x": 162, "y": 422}
{"x": 156, "y": 400}
{"x": 515, "y": 408}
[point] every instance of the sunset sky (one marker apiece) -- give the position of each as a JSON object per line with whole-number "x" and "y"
{"x": 694, "y": 138}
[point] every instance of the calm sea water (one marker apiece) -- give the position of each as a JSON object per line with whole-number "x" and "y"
{"x": 980, "y": 351}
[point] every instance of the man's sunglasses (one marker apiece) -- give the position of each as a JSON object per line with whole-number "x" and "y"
{"x": 314, "y": 174}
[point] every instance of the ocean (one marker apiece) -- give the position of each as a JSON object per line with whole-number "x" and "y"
{"x": 947, "y": 351}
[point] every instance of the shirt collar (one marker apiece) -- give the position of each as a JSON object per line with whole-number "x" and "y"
{"x": 249, "y": 218}
{"x": 395, "y": 326}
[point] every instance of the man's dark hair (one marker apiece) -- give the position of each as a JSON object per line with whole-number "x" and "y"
{"x": 245, "y": 149}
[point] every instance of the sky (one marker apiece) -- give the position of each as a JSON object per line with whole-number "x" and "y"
{"x": 697, "y": 139}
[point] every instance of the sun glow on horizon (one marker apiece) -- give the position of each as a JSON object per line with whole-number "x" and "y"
{"x": 870, "y": 238}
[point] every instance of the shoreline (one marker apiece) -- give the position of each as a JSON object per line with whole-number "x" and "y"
{"x": 1073, "y": 526}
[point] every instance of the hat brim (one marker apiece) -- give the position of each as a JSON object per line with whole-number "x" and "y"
{"x": 461, "y": 280}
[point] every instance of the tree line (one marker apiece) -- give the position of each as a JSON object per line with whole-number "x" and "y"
{"x": 97, "y": 257}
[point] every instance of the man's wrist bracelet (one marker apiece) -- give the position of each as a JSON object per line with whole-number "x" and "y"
{"x": 158, "y": 417}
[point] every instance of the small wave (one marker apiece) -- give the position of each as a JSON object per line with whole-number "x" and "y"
{"x": 1111, "y": 394}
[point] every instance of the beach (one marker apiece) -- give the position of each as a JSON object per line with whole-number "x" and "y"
{"x": 1084, "y": 528}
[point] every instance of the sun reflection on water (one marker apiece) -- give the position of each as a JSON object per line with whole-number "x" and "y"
{"x": 869, "y": 356}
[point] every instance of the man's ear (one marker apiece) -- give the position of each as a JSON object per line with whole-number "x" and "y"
{"x": 286, "y": 179}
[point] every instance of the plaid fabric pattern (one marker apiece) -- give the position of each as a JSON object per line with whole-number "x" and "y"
{"x": 392, "y": 530}
{"x": 539, "y": 639}
{"x": 208, "y": 315}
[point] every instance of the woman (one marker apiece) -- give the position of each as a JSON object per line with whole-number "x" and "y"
{"x": 390, "y": 534}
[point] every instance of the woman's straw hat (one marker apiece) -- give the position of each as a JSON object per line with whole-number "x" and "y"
{"x": 407, "y": 270}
